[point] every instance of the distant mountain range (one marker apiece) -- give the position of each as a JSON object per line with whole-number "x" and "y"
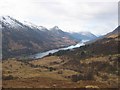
{"x": 23, "y": 38}
{"x": 83, "y": 36}
{"x": 78, "y": 36}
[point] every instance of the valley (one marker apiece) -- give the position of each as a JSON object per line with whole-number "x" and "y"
{"x": 57, "y": 59}
{"x": 59, "y": 44}
{"x": 22, "y": 39}
{"x": 94, "y": 65}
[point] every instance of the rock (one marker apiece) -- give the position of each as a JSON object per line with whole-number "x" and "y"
{"x": 91, "y": 86}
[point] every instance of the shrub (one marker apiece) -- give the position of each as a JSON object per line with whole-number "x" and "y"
{"x": 50, "y": 54}
{"x": 51, "y": 68}
{"x": 105, "y": 77}
{"x": 89, "y": 75}
{"x": 10, "y": 77}
{"x": 60, "y": 72}
{"x": 76, "y": 78}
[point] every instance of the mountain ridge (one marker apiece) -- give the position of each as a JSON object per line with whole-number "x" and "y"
{"x": 20, "y": 39}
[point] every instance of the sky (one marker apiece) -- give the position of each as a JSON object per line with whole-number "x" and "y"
{"x": 96, "y": 16}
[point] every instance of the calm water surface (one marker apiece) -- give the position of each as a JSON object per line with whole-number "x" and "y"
{"x": 43, "y": 54}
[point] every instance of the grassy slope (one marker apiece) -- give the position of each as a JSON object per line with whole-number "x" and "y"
{"x": 24, "y": 74}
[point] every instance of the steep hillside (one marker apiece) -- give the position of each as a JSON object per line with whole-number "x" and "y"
{"x": 114, "y": 34}
{"x": 98, "y": 61}
{"x": 25, "y": 39}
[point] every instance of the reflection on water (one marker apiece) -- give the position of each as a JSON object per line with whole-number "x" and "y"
{"x": 43, "y": 54}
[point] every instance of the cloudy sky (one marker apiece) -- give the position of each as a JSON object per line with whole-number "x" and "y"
{"x": 96, "y": 16}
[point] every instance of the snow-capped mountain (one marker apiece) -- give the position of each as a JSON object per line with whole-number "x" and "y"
{"x": 10, "y": 22}
{"x": 19, "y": 38}
{"x": 13, "y": 23}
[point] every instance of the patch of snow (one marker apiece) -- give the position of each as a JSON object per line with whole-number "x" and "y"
{"x": 10, "y": 22}
{"x": 33, "y": 26}
{"x": 85, "y": 33}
